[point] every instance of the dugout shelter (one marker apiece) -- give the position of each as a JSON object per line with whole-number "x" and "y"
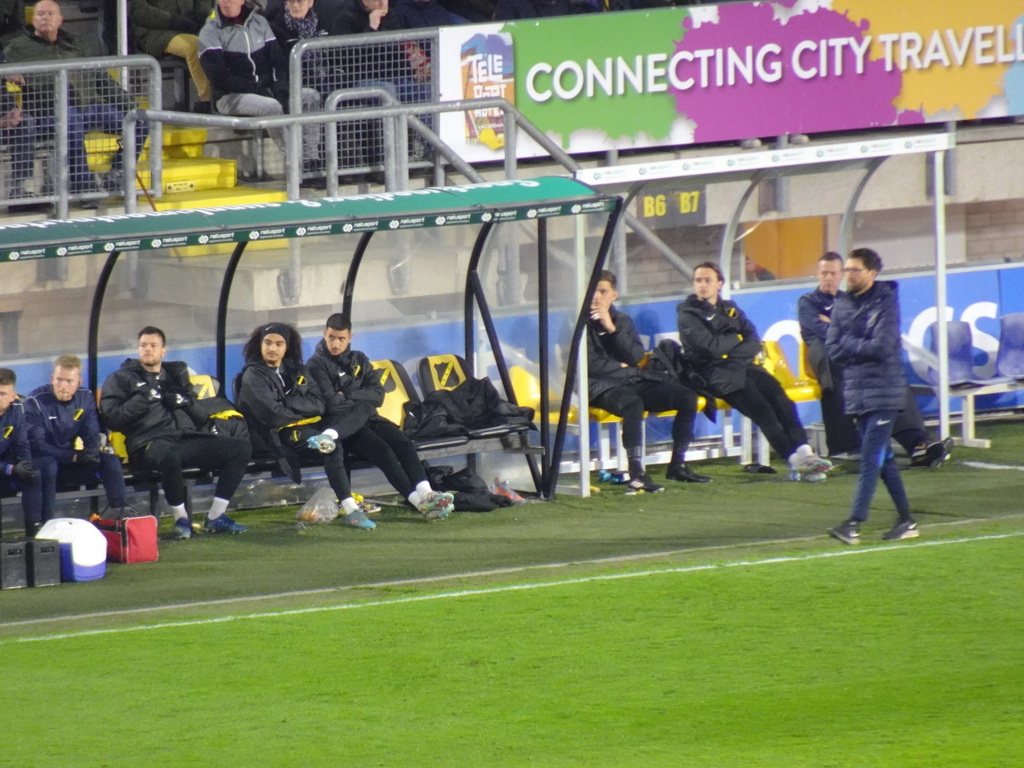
{"x": 559, "y": 220}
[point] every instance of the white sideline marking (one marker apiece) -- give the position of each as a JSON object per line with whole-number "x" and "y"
{"x": 511, "y": 588}
{"x": 986, "y": 465}
{"x": 509, "y": 570}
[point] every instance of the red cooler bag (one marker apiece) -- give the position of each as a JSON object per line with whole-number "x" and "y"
{"x": 131, "y": 539}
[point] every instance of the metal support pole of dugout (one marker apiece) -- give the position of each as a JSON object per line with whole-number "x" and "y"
{"x": 574, "y": 351}
{"x": 94, "y": 318}
{"x": 222, "y": 317}
{"x": 474, "y": 296}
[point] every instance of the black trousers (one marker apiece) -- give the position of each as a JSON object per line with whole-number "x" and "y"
{"x": 386, "y": 446}
{"x": 841, "y": 432}
{"x": 764, "y": 402}
{"x": 631, "y": 401}
{"x": 227, "y": 456}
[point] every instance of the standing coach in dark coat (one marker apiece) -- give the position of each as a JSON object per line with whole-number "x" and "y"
{"x": 864, "y": 338}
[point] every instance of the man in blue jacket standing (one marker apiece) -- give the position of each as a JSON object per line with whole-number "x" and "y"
{"x": 815, "y": 312}
{"x": 59, "y": 414}
{"x": 864, "y": 337}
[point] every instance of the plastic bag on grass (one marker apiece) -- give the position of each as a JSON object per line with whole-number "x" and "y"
{"x": 320, "y": 508}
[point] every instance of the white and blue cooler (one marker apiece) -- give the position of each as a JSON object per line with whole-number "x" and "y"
{"x": 83, "y": 549}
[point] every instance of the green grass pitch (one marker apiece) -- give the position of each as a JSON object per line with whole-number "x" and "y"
{"x": 705, "y": 626}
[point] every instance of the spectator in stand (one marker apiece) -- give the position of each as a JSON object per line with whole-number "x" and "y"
{"x": 815, "y": 314}
{"x": 17, "y": 470}
{"x": 153, "y": 404}
{"x": 507, "y": 10}
{"x": 249, "y": 72}
{"x": 620, "y": 386}
{"x": 283, "y": 407}
{"x": 12, "y": 20}
{"x": 15, "y": 127}
{"x": 721, "y": 344}
{"x": 418, "y": 14}
{"x": 403, "y": 70}
{"x": 96, "y": 103}
{"x": 352, "y": 392}
{"x": 295, "y": 20}
{"x": 60, "y": 414}
{"x": 356, "y": 17}
{"x": 172, "y": 27}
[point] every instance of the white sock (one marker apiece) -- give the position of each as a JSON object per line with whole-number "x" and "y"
{"x": 217, "y": 508}
{"x": 423, "y": 488}
{"x": 803, "y": 451}
{"x": 349, "y": 505}
{"x": 179, "y": 512}
{"x": 331, "y": 434}
{"x": 415, "y": 498}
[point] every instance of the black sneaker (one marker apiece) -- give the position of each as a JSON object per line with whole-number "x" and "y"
{"x": 642, "y": 483}
{"x": 932, "y": 455}
{"x": 683, "y": 474}
{"x": 847, "y": 532}
{"x": 904, "y": 529}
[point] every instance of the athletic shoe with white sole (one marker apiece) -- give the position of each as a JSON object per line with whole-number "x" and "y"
{"x": 181, "y": 529}
{"x": 904, "y": 529}
{"x": 322, "y": 443}
{"x": 436, "y": 505}
{"x": 224, "y": 524}
{"x": 931, "y": 455}
{"x": 813, "y": 464}
{"x": 642, "y": 483}
{"x": 504, "y": 488}
{"x": 358, "y": 519}
{"x": 847, "y": 532}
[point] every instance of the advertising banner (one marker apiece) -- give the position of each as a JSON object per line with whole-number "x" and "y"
{"x": 715, "y": 73}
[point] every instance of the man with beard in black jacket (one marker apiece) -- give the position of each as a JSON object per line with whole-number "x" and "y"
{"x": 864, "y": 338}
{"x": 721, "y": 343}
{"x": 152, "y": 402}
{"x": 815, "y": 313}
{"x": 352, "y": 391}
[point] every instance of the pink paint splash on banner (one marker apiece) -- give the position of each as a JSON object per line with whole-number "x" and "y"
{"x": 790, "y": 104}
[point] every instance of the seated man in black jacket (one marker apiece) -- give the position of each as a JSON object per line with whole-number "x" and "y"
{"x": 721, "y": 343}
{"x": 17, "y": 470}
{"x": 283, "y": 407}
{"x": 352, "y": 392}
{"x": 618, "y": 385}
{"x": 153, "y": 404}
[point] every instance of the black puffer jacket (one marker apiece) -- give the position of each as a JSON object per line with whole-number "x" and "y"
{"x": 864, "y": 337}
{"x": 146, "y": 406}
{"x": 606, "y": 352}
{"x": 269, "y": 404}
{"x": 350, "y": 386}
{"x": 719, "y": 342}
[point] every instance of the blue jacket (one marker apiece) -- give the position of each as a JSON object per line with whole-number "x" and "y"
{"x": 813, "y": 331}
{"x": 864, "y": 338}
{"x": 53, "y": 425}
{"x": 14, "y": 445}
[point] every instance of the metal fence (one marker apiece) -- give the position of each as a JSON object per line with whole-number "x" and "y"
{"x": 400, "y": 63}
{"x": 61, "y": 128}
